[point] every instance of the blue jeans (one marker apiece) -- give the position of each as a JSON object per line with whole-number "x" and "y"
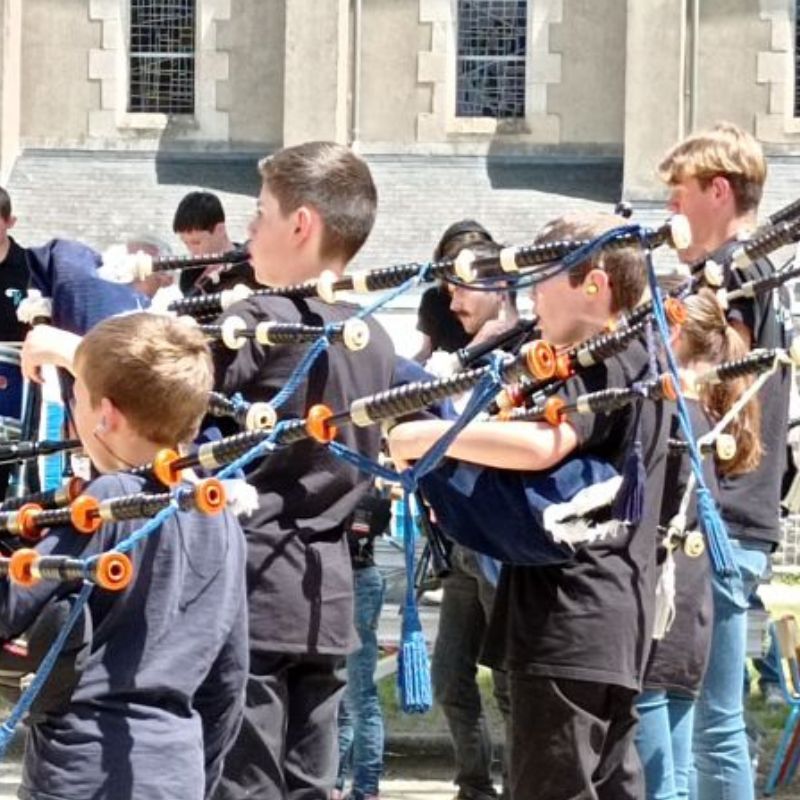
{"x": 360, "y": 716}
{"x": 766, "y": 667}
{"x": 721, "y": 755}
{"x": 664, "y": 742}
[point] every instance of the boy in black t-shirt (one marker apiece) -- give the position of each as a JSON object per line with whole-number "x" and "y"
{"x": 716, "y": 178}
{"x": 316, "y": 208}
{"x": 574, "y": 637}
{"x": 200, "y": 224}
{"x": 14, "y": 275}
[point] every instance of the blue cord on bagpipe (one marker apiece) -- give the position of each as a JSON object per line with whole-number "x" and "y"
{"x": 719, "y": 546}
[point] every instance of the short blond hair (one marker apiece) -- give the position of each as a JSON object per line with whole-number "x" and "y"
{"x": 725, "y": 150}
{"x": 157, "y": 370}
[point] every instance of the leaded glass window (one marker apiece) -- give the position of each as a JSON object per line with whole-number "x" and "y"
{"x": 490, "y": 70}
{"x": 162, "y": 56}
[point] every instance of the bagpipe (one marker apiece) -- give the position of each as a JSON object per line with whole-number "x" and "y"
{"x": 129, "y": 267}
{"x": 522, "y": 265}
{"x": 580, "y": 490}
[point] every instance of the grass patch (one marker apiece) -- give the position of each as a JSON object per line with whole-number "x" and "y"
{"x": 434, "y": 722}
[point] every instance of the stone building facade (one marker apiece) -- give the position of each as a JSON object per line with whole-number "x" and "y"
{"x": 589, "y": 78}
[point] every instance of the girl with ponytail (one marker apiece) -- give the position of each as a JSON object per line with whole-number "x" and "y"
{"x": 679, "y": 656}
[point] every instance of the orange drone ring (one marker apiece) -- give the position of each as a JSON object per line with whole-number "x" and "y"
{"x": 540, "y": 359}
{"x": 318, "y": 426}
{"x": 675, "y": 310}
{"x": 74, "y": 487}
{"x": 209, "y": 496}
{"x": 564, "y": 368}
{"x": 19, "y": 567}
{"x": 27, "y": 523}
{"x": 84, "y": 514}
{"x": 554, "y": 410}
{"x": 113, "y": 571}
{"x": 164, "y": 467}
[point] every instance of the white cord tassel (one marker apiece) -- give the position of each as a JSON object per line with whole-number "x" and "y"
{"x": 242, "y": 497}
{"x": 665, "y": 597}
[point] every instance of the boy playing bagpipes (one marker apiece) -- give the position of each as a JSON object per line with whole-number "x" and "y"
{"x": 154, "y": 695}
{"x": 574, "y": 635}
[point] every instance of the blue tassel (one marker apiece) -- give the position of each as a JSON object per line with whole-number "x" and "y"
{"x": 629, "y": 503}
{"x": 719, "y": 546}
{"x": 413, "y": 667}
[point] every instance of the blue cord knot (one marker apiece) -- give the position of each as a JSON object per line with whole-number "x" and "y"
{"x": 238, "y": 402}
{"x": 496, "y": 361}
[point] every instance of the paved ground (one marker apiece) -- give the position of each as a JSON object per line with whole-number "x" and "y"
{"x": 400, "y": 785}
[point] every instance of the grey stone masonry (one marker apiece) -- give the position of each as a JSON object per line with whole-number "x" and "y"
{"x": 101, "y": 198}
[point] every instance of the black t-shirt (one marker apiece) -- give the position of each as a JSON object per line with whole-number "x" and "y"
{"x": 751, "y": 502}
{"x": 678, "y": 661}
{"x": 14, "y": 274}
{"x": 300, "y": 582}
{"x": 439, "y": 323}
{"x": 591, "y": 618}
{"x": 368, "y": 521}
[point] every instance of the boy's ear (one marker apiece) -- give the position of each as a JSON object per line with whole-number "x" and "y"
{"x": 111, "y": 417}
{"x": 303, "y": 222}
{"x": 721, "y": 187}
{"x": 11, "y": 221}
{"x": 595, "y": 282}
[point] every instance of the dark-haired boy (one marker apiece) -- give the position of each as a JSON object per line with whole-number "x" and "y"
{"x": 199, "y": 222}
{"x": 315, "y": 210}
{"x": 14, "y": 274}
{"x": 573, "y": 637}
{"x": 157, "y": 700}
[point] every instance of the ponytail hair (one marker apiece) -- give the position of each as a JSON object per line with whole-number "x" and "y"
{"x": 707, "y": 335}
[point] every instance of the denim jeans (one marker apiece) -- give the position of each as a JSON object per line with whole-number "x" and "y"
{"x": 721, "y": 754}
{"x": 466, "y": 605}
{"x": 360, "y": 716}
{"x": 664, "y": 742}
{"x": 767, "y": 667}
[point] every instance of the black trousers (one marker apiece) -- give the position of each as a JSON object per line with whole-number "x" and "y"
{"x": 288, "y": 744}
{"x": 572, "y": 740}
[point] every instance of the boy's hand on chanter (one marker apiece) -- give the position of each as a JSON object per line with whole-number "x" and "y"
{"x": 46, "y": 344}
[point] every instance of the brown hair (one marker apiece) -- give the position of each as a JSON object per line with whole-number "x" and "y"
{"x": 723, "y": 151}
{"x": 707, "y": 335}
{"x": 157, "y": 370}
{"x": 335, "y": 182}
{"x": 5, "y": 204}
{"x": 460, "y": 235}
{"x": 625, "y": 267}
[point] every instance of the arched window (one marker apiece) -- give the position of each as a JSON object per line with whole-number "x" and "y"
{"x": 490, "y": 69}
{"x": 162, "y": 56}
